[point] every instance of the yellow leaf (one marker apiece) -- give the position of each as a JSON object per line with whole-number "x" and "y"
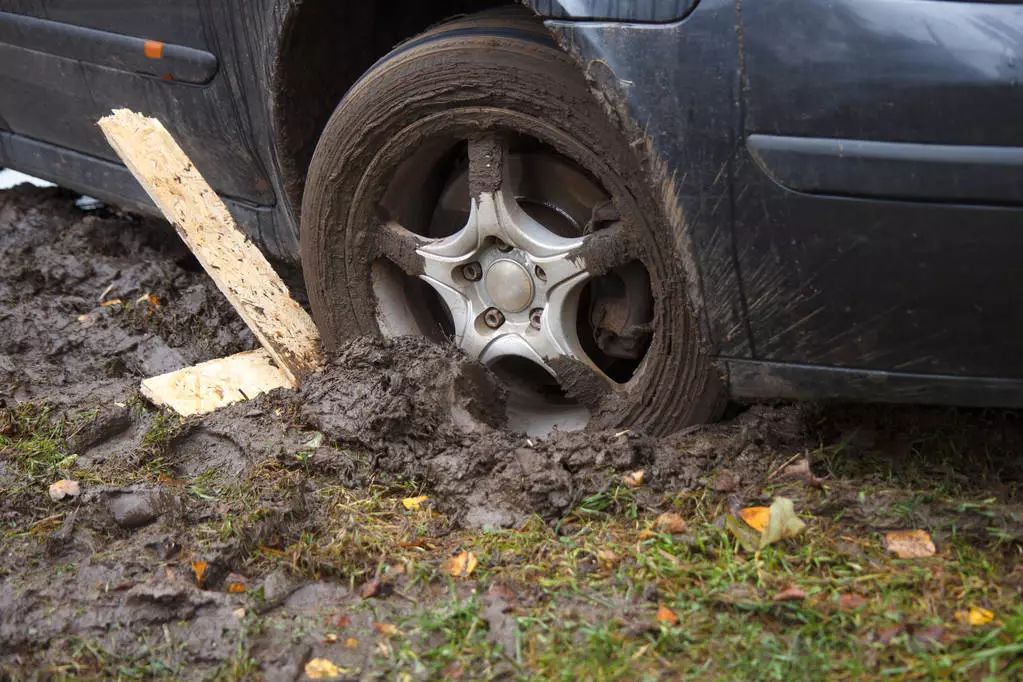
{"x": 634, "y": 479}
{"x": 413, "y": 503}
{"x": 386, "y": 629}
{"x": 756, "y": 517}
{"x": 782, "y": 522}
{"x": 199, "y": 568}
{"x": 236, "y": 588}
{"x": 321, "y": 669}
{"x": 666, "y": 615}
{"x": 461, "y": 565}
{"x": 909, "y": 544}
{"x": 670, "y": 522}
{"x": 351, "y": 643}
{"x": 607, "y": 558}
{"x": 111, "y": 302}
{"x": 975, "y": 616}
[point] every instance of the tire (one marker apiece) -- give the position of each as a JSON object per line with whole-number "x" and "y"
{"x": 496, "y": 71}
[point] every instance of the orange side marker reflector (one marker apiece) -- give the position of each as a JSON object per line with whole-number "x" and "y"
{"x": 153, "y": 49}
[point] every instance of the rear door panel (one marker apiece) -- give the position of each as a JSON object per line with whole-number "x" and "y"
{"x": 879, "y": 231}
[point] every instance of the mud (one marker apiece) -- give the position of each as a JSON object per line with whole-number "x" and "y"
{"x": 59, "y": 342}
{"x": 142, "y": 569}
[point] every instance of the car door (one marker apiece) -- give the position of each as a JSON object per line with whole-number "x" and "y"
{"x": 879, "y": 194}
{"x": 68, "y": 62}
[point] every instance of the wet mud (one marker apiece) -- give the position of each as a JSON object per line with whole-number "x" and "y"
{"x": 175, "y": 514}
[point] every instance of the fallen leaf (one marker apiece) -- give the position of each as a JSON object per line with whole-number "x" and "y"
{"x": 756, "y": 517}
{"x": 646, "y": 534}
{"x": 670, "y": 522}
{"x": 607, "y": 558}
{"x": 236, "y": 583}
{"x": 801, "y": 471}
{"x": 782, "y": 522}
{"x": 790, "y": 593}
{"x": 199, "y": 568}
{"x": 909, "y": 544}
{"x": 111, "y": 302}
{"x": 152, "y": 299}
{"x": 748, "y": 538}
{"x": 975, "y": 616}
{"x": 666, "y": 615}
{"x": 330, "y": 638}
{"x": 321, "y": 669}
{"x": 634, "y": 479}
{"x": 239, "y": 613}
{"x": 851, "y": 601}
{"x": 64, "y": 489}
{"x": 351, "y": 643}
{"x": 887, "y": 634}
{"x": 342, "y": 622}
{"x": 386, "y": 629}
{"x": 461, "y": 565}
{"x": 414, "y": 503}
{"x": 376, "y": 588}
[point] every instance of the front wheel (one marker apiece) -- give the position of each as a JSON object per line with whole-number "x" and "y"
{"x": 470, "y": 188}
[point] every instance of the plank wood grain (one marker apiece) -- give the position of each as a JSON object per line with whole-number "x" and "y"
{"x": 239, "y": 269}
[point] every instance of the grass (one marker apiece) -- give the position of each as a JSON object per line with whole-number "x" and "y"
{"x": 580, "y": 598}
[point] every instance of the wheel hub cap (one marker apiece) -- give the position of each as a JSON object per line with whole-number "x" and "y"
{"x": 509, "y": 285}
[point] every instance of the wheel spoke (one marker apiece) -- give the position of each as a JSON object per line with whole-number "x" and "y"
{"x": 400, "y": 245}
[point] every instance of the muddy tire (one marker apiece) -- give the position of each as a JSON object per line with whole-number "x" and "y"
{"x": 496, "y": 71}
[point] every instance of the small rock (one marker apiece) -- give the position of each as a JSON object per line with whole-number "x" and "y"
{"x": 64, "y": 489}
{"x": 136, "y": 508}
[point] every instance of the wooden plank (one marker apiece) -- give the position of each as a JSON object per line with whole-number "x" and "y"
{"x": 211, "y": 385}
{"x": 239, "y": 269}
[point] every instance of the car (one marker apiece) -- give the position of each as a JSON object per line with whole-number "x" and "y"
{"x": 630, "y": 211}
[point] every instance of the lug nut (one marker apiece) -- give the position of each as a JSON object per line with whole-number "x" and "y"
{"x": 540, "y": 274}
{"x": 535, "y": 316}
{"x": 493, "y": 318}
{"x": 472, "y": 272}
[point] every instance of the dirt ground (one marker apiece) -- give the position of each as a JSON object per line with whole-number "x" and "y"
{"x": 381, "y": 520}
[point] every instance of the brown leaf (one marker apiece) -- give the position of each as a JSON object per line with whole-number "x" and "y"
{"x": 235, "y": 583}
{"x": 634, "y": 479}
{"x": 351, "y": 643}
{"x": 386, "y": 629}
{"x": 887, "y": 634}
{"x": 851, "y": 601}
{"x": 666, "y": 615}
{"x": 461, "y": 565}
{"x": 607, "y": 558}
{"x": 200, "y": 568}
{"x": 909, "y": 544}
{"x": 801, "y": 471}
{"x": 330, "y": 638}
{"x": 790, "y": 593}
{"x": 670, "y": 522}
{"x": 376, "y": 588}
{"x": 342, "y": 622}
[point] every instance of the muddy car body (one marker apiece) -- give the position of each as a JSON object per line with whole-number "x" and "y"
{"x": 833, "y": 189}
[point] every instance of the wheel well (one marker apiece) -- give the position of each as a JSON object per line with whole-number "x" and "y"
{"x": 326, "y": 46}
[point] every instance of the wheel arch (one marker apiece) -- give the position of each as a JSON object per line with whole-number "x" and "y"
{"x": 325, "y": 46}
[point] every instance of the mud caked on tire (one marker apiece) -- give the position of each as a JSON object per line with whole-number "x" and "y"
{"x": 419, "y": 151}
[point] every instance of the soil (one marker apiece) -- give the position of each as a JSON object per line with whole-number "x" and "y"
{"x": 173, "y": 513}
